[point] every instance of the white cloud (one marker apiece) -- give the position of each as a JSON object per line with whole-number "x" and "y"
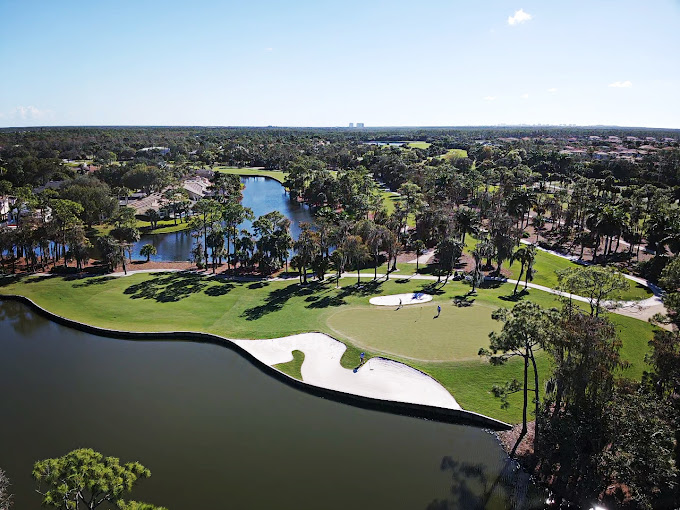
{"x": 490, "y": 98}
{"x": 524, "y": 96}
{"x": 519, "y": 17}
{"x": 269, "y": 49}
{"x": 552, "y": 90}
{"x": 26, "y": 114}
{"x": 621, "y": 84}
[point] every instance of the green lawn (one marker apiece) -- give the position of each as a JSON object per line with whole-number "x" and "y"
{"x": 252, "y": 172}
{"x": 293, "y": 367}
{"x": 455, "y": 154}
{"x": 413, "y": 332}
{"x": 162, "y": 227}
{"x": 182, "y": 302}
{"x": 547, "y": 264}
{"x": 390, "y": 200}
{"x": 419, "y": 145}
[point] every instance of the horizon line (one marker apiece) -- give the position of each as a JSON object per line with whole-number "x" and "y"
{"x": 358, "y": 129}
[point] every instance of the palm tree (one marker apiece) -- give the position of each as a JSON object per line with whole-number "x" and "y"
{"x": 477, "y": 273}
{"x": 355, "y": 252}
{"x": 467, "y": 221}
{"x": 487, "y": 250}
{"x": 448, "y": 253}
{"x": 305, "y": 248}
{"x": 419, "y": 248}
{"x": 153, "y": 216}
{"x": 148, "y": 250}
{"x": 525, "y": 255}
{"x": 376, "y": 241}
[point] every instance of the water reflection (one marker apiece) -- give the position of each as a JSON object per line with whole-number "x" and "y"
{"x": 262, "y": 194}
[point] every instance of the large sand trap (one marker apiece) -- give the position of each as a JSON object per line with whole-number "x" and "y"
{"x": 413, "y": 298}
{"x": 377, "y": 378}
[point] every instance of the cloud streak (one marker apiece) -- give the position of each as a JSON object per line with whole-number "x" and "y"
{"x": 621, "y": 84}
{"x": 519, "y": 17}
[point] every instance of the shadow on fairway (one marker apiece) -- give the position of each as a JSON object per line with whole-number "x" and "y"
{"x": 167, "y": 288}
{"x": 433, "y": 288}
{"x": 361, "y": 289}
{"x": 279, "y": 297}
{"x": 515, "y": 297}
{"x": 324, "y": 302}
{"x": 219, "y": 289}
{"x": 88, "y": 281}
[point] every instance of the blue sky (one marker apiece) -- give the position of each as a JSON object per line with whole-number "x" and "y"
{"x": 328, "y": 63}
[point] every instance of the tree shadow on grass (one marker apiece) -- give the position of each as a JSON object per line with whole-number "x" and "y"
{"x": 88, "y": 281}
{"x": 9, "y": 280}
{"x": 167, "y": 288}
{"x": 277, "y": 298}
{"x": 433, "y": 289}
{"x": 515, "y": 297}
{"x": 324, "y": 302}
{"x": 221, "y": 289}
{"x": 463, "y": 301}
{"x": 361, "y": 289}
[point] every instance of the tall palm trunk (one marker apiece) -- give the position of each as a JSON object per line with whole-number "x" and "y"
{"x": 524, "y": 408}
{"x": 521, "y": 272}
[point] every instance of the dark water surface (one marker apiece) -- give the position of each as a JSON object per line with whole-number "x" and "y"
{"x": 218, "y": 433}
{"x": 262, "y": 194}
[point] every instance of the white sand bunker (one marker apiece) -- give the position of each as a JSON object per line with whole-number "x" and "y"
{"x": 377, "y": 378}
{"x": 401, "y": 299}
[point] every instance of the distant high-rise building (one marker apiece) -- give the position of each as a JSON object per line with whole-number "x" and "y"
{"x": 360, "y": 124}
{"x": 351, "y": 124}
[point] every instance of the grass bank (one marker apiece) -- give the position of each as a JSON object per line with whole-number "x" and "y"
{"x": 252, "y": 172}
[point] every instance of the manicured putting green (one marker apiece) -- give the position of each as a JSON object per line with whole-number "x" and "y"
{"x": 413, "y": 332}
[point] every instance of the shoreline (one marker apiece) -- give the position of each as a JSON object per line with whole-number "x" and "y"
{"x": 413, "y": 409}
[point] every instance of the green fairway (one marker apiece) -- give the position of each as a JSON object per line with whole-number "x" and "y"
{"x": 189, "y": 302}
{"x": 455, "y": 154}
{"x": 413, "y": 331}
{"x": 390, "y": 199}
{"x": 419, "y": 145}
{"x": 252, "y": 172}
{"x": 546, "y": 265}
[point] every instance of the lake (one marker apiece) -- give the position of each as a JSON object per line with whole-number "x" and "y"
{"x": 217, "y": 432}
{"x": 262, "y": 194}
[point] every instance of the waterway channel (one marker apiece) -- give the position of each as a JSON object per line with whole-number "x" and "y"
{"x": 217, "y": 432}
{"x": 261, "y": 194}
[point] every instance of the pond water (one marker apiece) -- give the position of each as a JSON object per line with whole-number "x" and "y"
{"x": 262, "y": 194}
{"x": 217, "y": 432}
